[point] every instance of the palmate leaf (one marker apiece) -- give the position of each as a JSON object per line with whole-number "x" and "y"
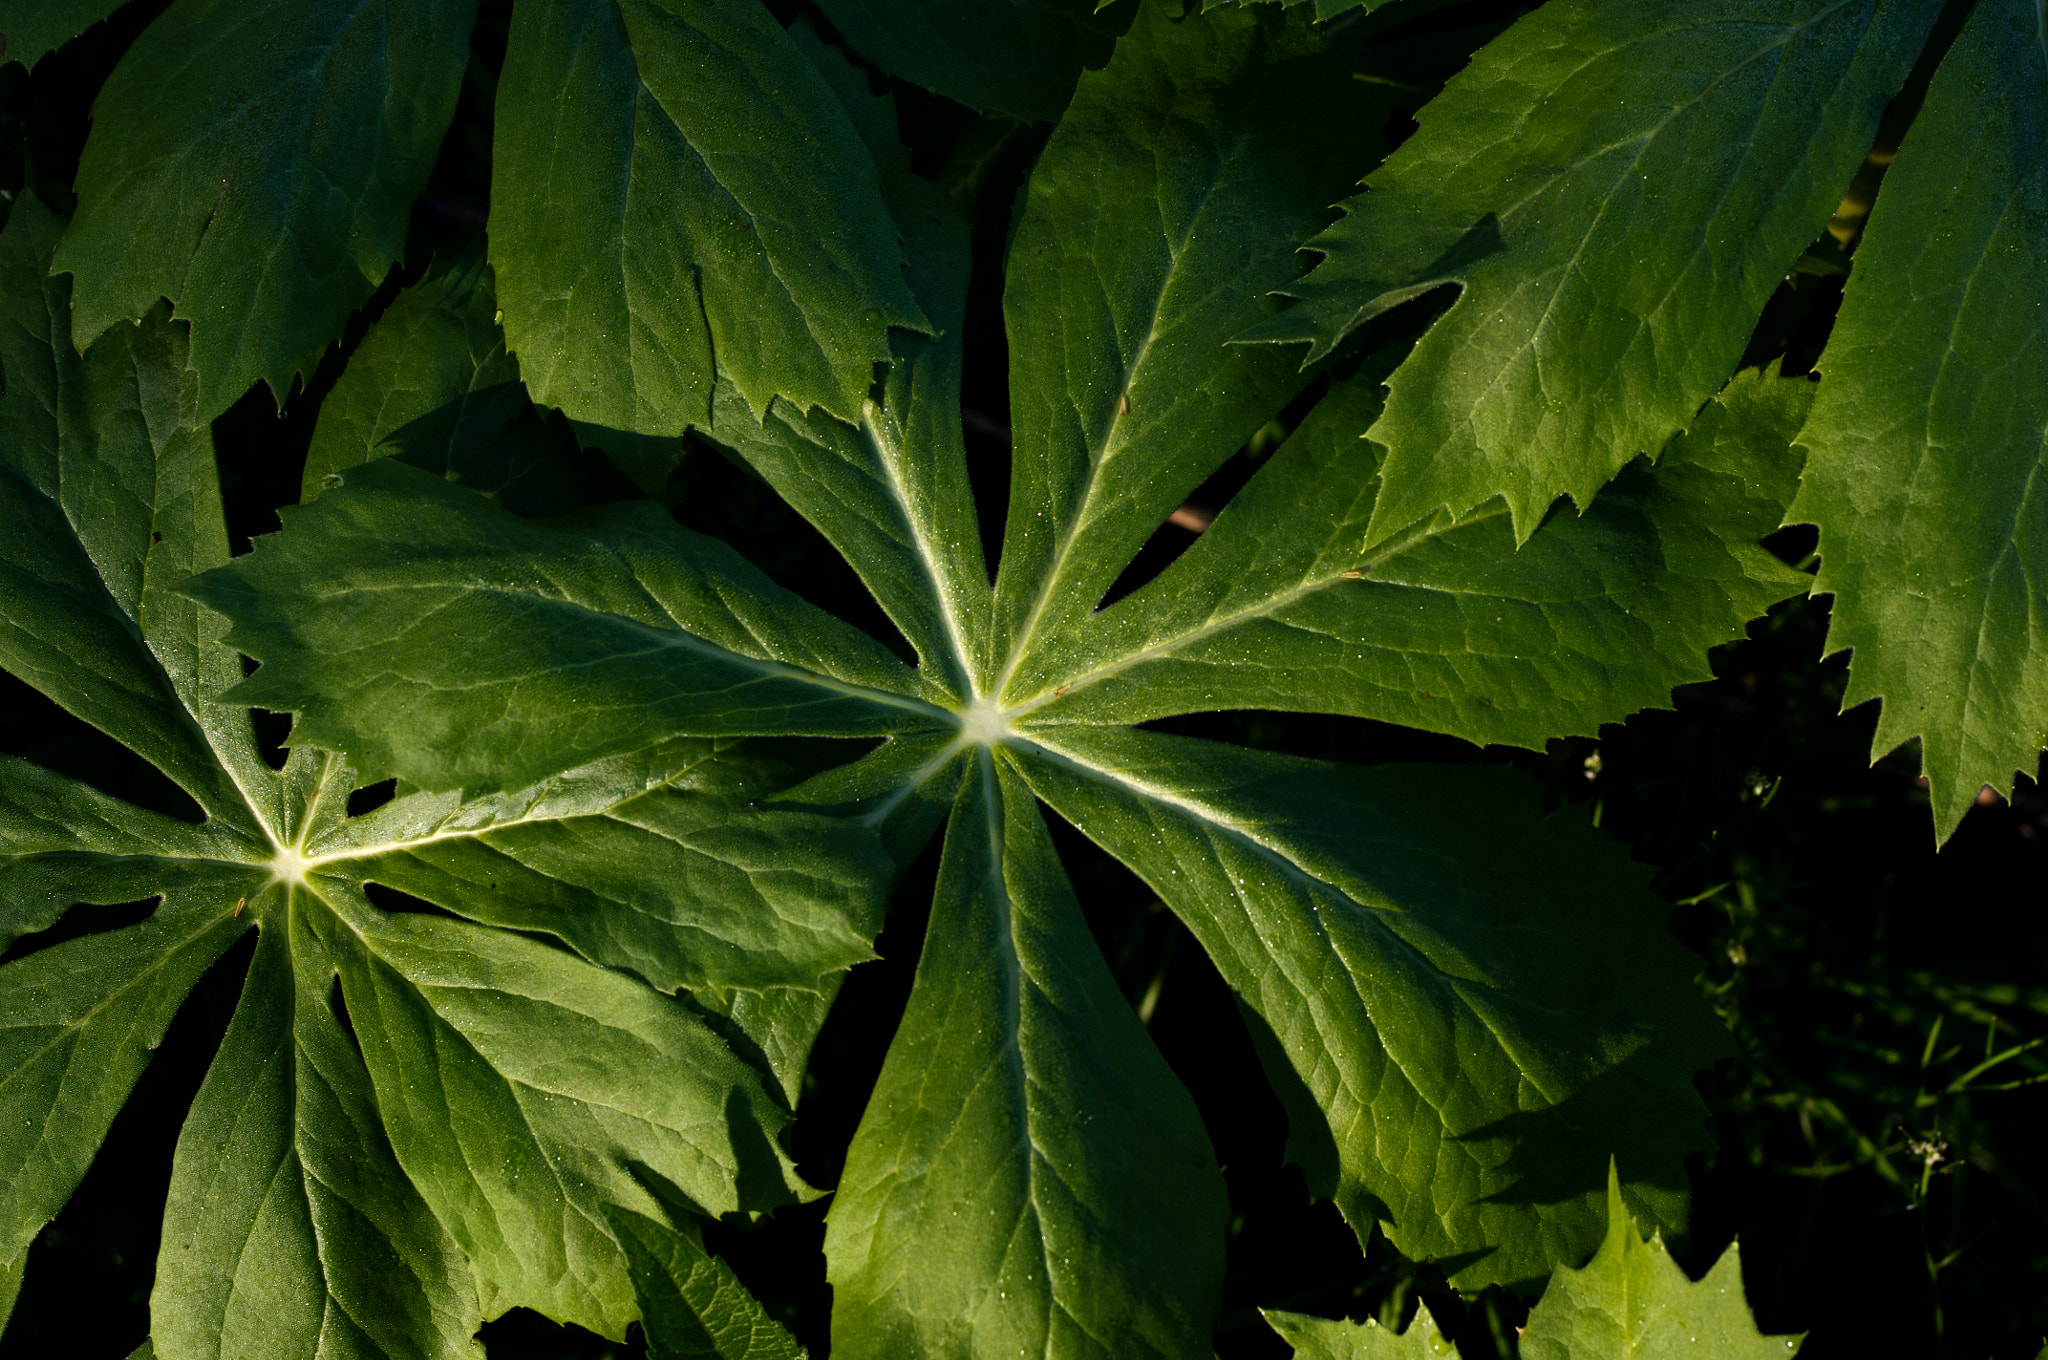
{"x": 267, "y": 198}
{"x": 1617, "y": 188}
{"x": 1030, "y": 1176}
{"x": 1315, "y": 1338}
{"x": 673, "y": 182}
{"x": 415, "y": 1121}
{"x": 1929, "y": 439}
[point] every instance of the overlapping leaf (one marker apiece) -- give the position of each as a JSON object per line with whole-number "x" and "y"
{"x": 255, "y": 163}
{"x": 1618, "y": 188}
{"x": 678, "y": 196}
{"x": 1008, "y": 1188}
{"x": 1930, "y": 436}
{"x": 502, "y": 1094}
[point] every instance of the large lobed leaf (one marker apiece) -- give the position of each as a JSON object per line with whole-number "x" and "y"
{"x": 1617, "y": 187}
{"x": 1030, "y": 1174}
{"x": 1929, "y": 439}
{"x": 415, "y": 1121}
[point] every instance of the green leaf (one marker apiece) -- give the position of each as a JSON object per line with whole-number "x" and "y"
{"x": 1169, "y": 198}
{"x": 644, "y": 245}
{"x": 637, "y": 630}
{"x": 514, "y": 1083}
{"x": 1279, "y": 604}
{"x": 290, "y": 1229}
{"x": 1019, "y": 57}
{"x": 309, "y": 1216}
{"x": 1617, "y": 189}
{"x": 268, "y": 199}
{"x": 432, "y": 385}
{"x": 1633, "y": 1300}
{"x": 691, "y": 1304}
{"x": 1315, "y": 1338}
{"x": 31, "y": 28}
{"x": 1466, "y": 1007}
{"x": 1930, "y": 435}
{"x": 1029, "y": 1177}
{"x": 1546, "y": 1018}
{"x": 891, "y": 492}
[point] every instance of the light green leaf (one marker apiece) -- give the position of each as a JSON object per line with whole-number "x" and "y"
{"x": 267, "y": 199}
{"x": 637, "y": 629}
{"x": 1168, "y": 200}
{"x": 1617, "y": 188}
{"x": 691, "y": 1305}
{"x": 1019, "y": 57}
{"x": 1315, "y": 1338}
{"x": 643, "y": 243}
{"x": 1930, "y": 436}
{"x": 1029, "y": 1177}
{"x": 514, "y": 1082}
{"x": 31, "y": 28}
{"x": 290, "y": 1229}
{"x": 1633, "y": 1300}
{"x": 10, "y": 1287}
{"x": 293, "y": 1232}
{"x": 1465, "y": 1007}
{"x": 1280, "y": 605}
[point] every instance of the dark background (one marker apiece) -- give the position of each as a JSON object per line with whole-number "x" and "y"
{"x": 1886, "y": 1201}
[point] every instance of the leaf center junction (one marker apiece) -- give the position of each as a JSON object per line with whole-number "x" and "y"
{"x": 289, "y": 867}
{"x": 983, "y": 723}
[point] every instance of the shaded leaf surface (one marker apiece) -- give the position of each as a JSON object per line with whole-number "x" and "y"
{"x": 673, "y": 182}
{"x": 36, "y": 27}
{"x": 1466, "y": 1008}
{"x": 1019, "y": 57}
{"x": 1617, "y": 188}
{"x": 692, "y": 1307}
{"x": 267, "y": 199}
{"x": 1930, "y": 436}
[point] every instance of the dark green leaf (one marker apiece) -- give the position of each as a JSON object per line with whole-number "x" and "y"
{"x": 691, "y": 1305}
{"x": 1019, "y": 57}
{"x": 31, "y": 28}
{"x": 641, "y": 235}
{"x": 1618, "y": 188}
{"x": 1930, "y": 437}
{"x": 1466, "y": 1007}
{"x": 268, "y": 198}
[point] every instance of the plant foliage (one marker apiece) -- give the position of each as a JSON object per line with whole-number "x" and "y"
{"x": 586, "y": 816}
